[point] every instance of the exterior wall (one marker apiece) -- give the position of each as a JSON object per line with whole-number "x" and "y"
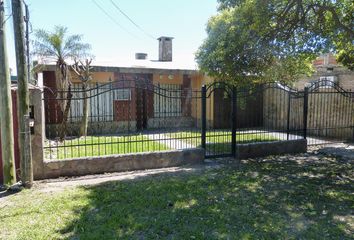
{"x": 125, "y": 110}
{"x": 326, "y": 65}
{"x": 167, "y": 79}
{"x": 97, "y": 77}
{"x": 15, "y": 132}
{"x": 329, "y": 114}
{"x": 36, "y": 136}
{"x": 344, "y": 77}
{"x": 275, "y": 110}
{"x": 198, "y": 81}
{"x": 132, "y": 110}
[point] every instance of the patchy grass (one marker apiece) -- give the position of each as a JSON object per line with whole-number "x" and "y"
{"x": 102, "y": 145}
{"x": 303, "y": 197}
{"x": 220, "y": 141}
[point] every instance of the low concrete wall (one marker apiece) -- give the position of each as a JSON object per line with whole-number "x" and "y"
{"x": 253, "y": 150}
{"x": 171, "y": 122}
{"x": 120, "y": 163}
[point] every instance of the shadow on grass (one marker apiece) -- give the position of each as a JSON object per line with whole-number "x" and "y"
{"x": 341, "y": 152}
{"x": 270, "y": 199}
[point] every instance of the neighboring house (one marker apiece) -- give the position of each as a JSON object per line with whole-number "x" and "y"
{"x": 327, "y": 68}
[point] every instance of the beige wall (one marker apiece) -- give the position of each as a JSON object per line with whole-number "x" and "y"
{"x": 167, "y": 79}
{"x": 197, "y": 82}
{"x": 329, "y": 114}
{"x": 344, "y": 77}
{"x": 97, "y": 77}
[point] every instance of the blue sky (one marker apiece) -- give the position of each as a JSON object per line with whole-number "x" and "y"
{"x": 185, "y": 20}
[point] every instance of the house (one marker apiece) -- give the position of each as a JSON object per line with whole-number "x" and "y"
{"x": 142, "y": 94}
{"x": 327, "y": 68}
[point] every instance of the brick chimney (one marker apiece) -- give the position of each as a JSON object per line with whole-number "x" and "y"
{"x": 165, "y": 49}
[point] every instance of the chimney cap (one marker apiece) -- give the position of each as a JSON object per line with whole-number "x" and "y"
{"x": 141, "y": 56}
{"x": 165, "y": 38}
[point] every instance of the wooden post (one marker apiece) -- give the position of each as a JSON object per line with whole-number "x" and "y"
{"x": 22, "y": 95}
{"x": 7, "y": 138}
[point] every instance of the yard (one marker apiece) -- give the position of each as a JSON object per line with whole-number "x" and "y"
{"x": 308, "y": 196}
{"x": 217, "y": 142}
{"x": 101, "y": 145}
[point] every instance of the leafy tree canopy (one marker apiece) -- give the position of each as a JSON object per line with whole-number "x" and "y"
{"x": 58, "y": 45}
{"x": 267, "y": 40}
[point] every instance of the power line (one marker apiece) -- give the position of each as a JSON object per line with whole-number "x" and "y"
{"x": 131, "y": 20}
{"x": 113, "y": 19}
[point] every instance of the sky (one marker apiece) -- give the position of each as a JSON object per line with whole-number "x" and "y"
{"x": 118, "y": 40}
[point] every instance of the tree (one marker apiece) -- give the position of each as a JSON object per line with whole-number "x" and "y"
{"x": 263, "y": 40}
{"x": 83, "y": 70}
{"x": 59, "y": 47}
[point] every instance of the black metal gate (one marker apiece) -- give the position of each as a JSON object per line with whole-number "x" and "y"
{"x": 134, "y": 115}
{"x": 330, "y": 116}
{"x": 218, "y": 120}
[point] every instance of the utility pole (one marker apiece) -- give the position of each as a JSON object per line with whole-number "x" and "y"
{"x": 7, "y": 138}
{"x": 22, "y": 95}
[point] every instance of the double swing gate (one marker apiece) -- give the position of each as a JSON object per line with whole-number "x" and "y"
{"x": 323, "y": 113}
{"x": 129, "y": 116}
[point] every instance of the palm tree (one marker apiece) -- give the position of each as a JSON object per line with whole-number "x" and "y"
{"x": 59, "y": 47}
{"x": 83, "y": 71}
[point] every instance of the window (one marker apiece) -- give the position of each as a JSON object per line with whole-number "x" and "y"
{"x": 122, "y": 94}
{"x": 167, "y": 101}
{"x": 327, "y": 82}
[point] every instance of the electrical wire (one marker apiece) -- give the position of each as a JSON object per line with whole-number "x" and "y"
{"x": 113, "y": 19}
{"x": 131, "y": 20}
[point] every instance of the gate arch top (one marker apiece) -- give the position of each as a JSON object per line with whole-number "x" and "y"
{"x": 210, "y": 88}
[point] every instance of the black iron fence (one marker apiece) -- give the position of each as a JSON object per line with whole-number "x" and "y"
{"x": 130, "y": 116}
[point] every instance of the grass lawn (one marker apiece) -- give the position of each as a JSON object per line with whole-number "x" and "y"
{"x": 220, "y": 141}
{"x": 102, "y": 145}
{"x": 304, "y": 197}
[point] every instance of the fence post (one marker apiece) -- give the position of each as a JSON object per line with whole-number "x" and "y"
{"x": 98, "y": 102}
{"x": 288, "y": 117}
{"x": 203, "y": 117}
{"x": 234, "y": 121}
{"x": 306, "y": 102}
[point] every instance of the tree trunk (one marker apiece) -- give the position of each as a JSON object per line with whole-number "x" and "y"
{"x": 64, "y": 89}
{"x": 85, "y": 117}
{"x": 64, "y": 123}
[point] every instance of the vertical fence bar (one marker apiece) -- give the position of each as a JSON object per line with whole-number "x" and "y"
{"x": 203, "y": 135}
{"x": 234, "y": 123}
{"x": 288, "y": 117}
{"x": 98, "y": 103}
{"x": 306, "y": 102}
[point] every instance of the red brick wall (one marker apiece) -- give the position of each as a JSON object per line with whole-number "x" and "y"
{"x": 129, "y": 110}
{"x": 186, "y": 99}
{"x": 52, "y": 111}
{"x": 125, "y": 110}
{"x": 16, "y": 149}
